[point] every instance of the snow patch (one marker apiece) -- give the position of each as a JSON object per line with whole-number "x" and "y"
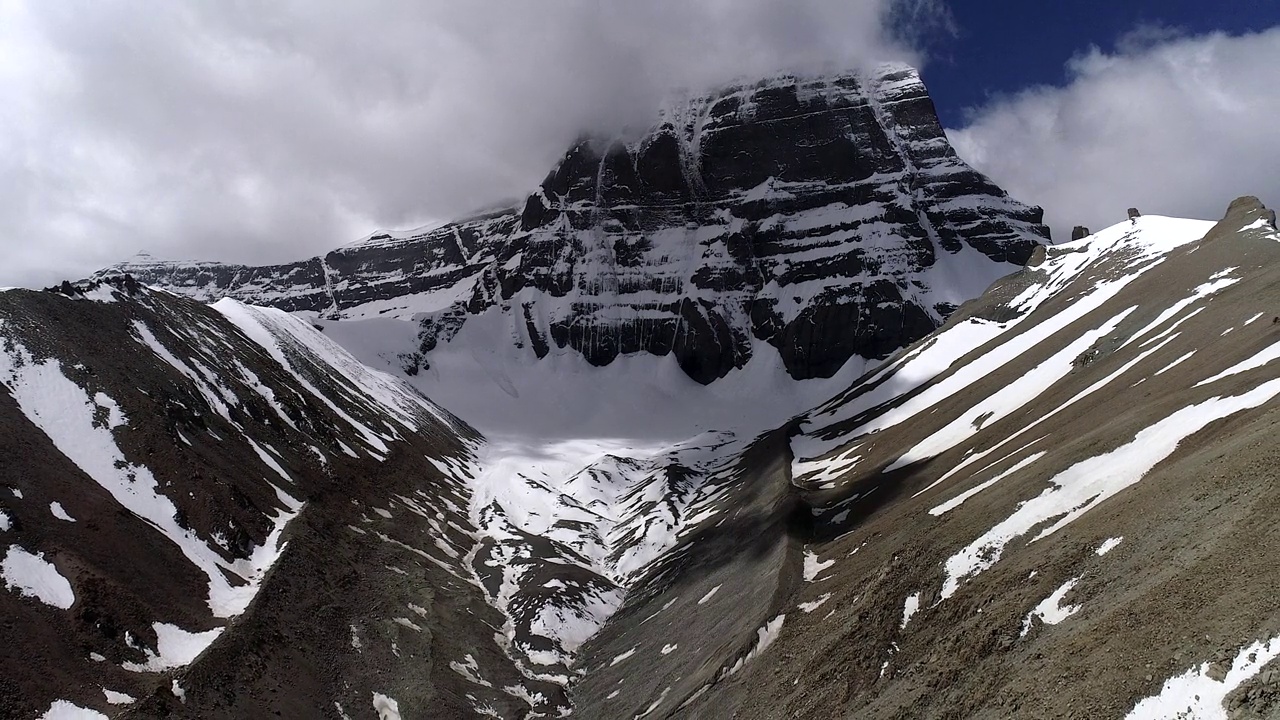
{"x": 1108, "y": 545}
{"x": 813, "y": 567}
{"x": 909, "y": 608}
{"x": 175, "y": 648}
{"x": 1194, "y": 694}
{"x": 811, "y": 606}
{"x": 117, "y": 698}
{"x": 33, "y": 576}
{"x": 1178, "y": 362}
{"x": 764, "y": 638}
{"x": 58, "y": 512}
{"x": 386, "y": 707}
{"x": 63, "y": 710}
{"x": 470, "y": 670}
{"x": 958, "y": 500}
{"x": 406, "y": 622}
{"x": 654, "y": 705}
{"x": 619, "y": 658}
{"x": 1051, "y": 610}
{"x": 1264, "y": 357}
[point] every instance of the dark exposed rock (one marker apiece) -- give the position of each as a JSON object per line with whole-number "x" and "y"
{"x": 1134, "y": 214}
{"x": 1079, "y": 232}
{"x": 812, "y": 215}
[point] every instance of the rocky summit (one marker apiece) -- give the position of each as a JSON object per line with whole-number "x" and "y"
{"x": 825, "y": 218}
{"x": 599, "y": 456}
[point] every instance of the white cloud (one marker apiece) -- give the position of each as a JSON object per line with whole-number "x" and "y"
{"x": 263, "y": 132}
{"x": 1171, "y": 125}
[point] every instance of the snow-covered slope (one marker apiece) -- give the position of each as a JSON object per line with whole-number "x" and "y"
{"x": 195, "y": 499}
{"x": 1061, "y": 504}
{"x": 821, "y": 219}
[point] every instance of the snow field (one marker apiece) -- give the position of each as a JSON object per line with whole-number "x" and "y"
{"x": 63, "y": 710}
{"x": 175, "y": 648}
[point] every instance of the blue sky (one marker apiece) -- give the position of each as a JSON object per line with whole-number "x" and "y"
{"x": 1004, "y": 46}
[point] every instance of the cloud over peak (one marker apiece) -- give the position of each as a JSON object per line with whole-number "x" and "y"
{"x": 265, "y": 132}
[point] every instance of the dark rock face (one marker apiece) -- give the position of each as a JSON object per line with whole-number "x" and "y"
{"x": 1079, "y": 232}
{"x": 383, "y": 268}
{"x": 824, "y": 217}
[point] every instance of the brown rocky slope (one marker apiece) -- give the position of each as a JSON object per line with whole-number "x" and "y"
{"x": 1060, "y": 505}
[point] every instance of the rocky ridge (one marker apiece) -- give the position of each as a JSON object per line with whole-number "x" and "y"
{"x": 1057, "y": 506}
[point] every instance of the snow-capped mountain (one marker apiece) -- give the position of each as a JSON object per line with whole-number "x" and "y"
{"x": 647, "y": 447}
{"x": 827, "y": 218}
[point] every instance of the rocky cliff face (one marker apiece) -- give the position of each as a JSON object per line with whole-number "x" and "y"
{"x": 825, "y": 217}
{"x": 384, "y": 274}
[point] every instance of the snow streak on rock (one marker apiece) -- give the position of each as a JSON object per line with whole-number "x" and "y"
{"x": 69, "y": 416}
{"x": 818, "y": 219}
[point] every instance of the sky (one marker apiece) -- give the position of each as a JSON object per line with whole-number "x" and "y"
{"x": 263, "y": 132}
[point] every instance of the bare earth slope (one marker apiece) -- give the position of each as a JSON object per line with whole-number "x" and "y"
{"x": 1060, "y": 505}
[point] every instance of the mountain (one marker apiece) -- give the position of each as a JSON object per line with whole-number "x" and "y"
{"x": 503, "y": 468}
{"x": 819, "y": 218}
{"x": 1060, "y": 504}
{"x": 183, "y": 480}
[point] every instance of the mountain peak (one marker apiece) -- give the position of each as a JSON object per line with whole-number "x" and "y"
{"x": 823, "y": 217}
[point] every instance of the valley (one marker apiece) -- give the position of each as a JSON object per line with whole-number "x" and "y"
{"x": 778, "y": 411}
